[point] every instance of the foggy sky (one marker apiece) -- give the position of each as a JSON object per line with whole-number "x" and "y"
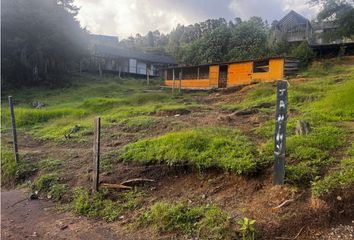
{"x": 125, "y": 18}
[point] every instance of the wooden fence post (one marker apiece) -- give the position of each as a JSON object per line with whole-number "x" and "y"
{"x": 99, "y": 68}
{"x": 14, "y": 132}
{"x": 96, "y": 154}
{"x": 147, "y": 75}
{"x": 280, "y": 132}
{"x": 180, "y": 81}
{"x": 174, "y": 80}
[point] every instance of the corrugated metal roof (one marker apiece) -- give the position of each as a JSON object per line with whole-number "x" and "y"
{"x": 292, "y": 18}
{"x": 106, "y": 51}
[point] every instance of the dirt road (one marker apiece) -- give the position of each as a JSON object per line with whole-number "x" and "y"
{"x": 34, "y": 220}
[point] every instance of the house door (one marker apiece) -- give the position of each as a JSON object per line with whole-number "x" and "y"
{"x": 222, "y": 76}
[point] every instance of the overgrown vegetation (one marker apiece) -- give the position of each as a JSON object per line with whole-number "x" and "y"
{"x": 341, "y": 178}
{"x": 121, "y": 102}
{"x": 13, "y": 173}
{"x": 99, "y": 206}
{"x": 203, "y": 222}
{"x": 202, "y": 147}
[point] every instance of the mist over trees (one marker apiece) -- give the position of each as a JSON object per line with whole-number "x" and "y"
{"x": 41, "y": 40}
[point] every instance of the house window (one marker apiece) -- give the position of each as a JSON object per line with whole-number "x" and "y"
{"x": 261, "y": 66}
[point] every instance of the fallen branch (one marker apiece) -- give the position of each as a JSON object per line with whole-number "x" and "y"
{"x": 293, "y": 238}
{"x": 286, "y": 202}
{"x": 114, "y": 186}
{"x": 137, "y": 180}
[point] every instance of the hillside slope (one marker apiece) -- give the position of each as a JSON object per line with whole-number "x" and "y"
{"x": 211, "y": 169}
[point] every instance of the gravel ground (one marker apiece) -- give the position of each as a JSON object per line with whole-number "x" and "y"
{"x": 341, "y": 232}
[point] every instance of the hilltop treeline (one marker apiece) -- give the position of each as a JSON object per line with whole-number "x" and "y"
{"x": 40, "y": 41}
{"x": 216, "y": 40}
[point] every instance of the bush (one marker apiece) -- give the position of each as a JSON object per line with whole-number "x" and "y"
{"x": 304, "y": 53}
{"x": 202, "y": 147}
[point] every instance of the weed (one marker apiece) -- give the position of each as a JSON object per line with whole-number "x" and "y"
{"x": 57, "y": 191}
{"x": 50, "y": 165}
{"x": 45, "y": 182}
{"x": 247, "y": 228}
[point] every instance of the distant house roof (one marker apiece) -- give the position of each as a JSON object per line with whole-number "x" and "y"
{"x": 291, "y": 19}
{"x": 114, "y": 52}
{"x": 105, "y": 39}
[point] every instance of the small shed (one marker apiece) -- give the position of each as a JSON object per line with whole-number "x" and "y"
{"x": 223, "y": 75}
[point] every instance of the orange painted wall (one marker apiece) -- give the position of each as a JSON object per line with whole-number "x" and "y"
{"x": 214, "y": 76}
{"x": 239, "y": 73}
{"x": 186, "y": 83}
{"x": 276, "y": 72}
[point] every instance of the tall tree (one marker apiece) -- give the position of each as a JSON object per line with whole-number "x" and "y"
{"x": 341, "y": 13}
{"x": 40, "y": 40}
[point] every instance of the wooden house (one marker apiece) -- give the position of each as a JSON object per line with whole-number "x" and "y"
{"x": 294, "y": 28}
{"x": 223, "y": 75}
{"x": 107, "y": 56}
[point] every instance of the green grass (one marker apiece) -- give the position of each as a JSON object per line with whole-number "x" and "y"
{"x": 262, "y": 93}
{"x": 98, "y": 206}
{"x": 13, "y": 173}
{"x": 114, "y": 99}
{"x": 338, "y": 103}
{"x": 203, "y": 148}
{"x": 308, "y": 155}
{"x": 339, "y": 179}
{"x": 203, "y": 222}
{"x": 137, "y": 123}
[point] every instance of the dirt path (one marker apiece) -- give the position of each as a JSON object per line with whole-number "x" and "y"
{"x": 34, "y": 220}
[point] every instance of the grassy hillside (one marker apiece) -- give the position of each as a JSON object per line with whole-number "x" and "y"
{"x": 147, "y": 126}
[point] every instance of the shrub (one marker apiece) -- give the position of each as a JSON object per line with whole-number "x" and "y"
{"x": 304, "y": 53}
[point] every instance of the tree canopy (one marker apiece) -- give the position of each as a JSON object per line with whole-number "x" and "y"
{"x": 341, "y": 13}
{"x": 40, "y": 39}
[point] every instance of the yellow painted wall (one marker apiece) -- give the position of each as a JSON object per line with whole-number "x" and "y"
{"x": 189, "y": 83}
{"x": 214, "y": 76}
{"x": 239, "y": 73}
{"x": 276, "y": 72}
